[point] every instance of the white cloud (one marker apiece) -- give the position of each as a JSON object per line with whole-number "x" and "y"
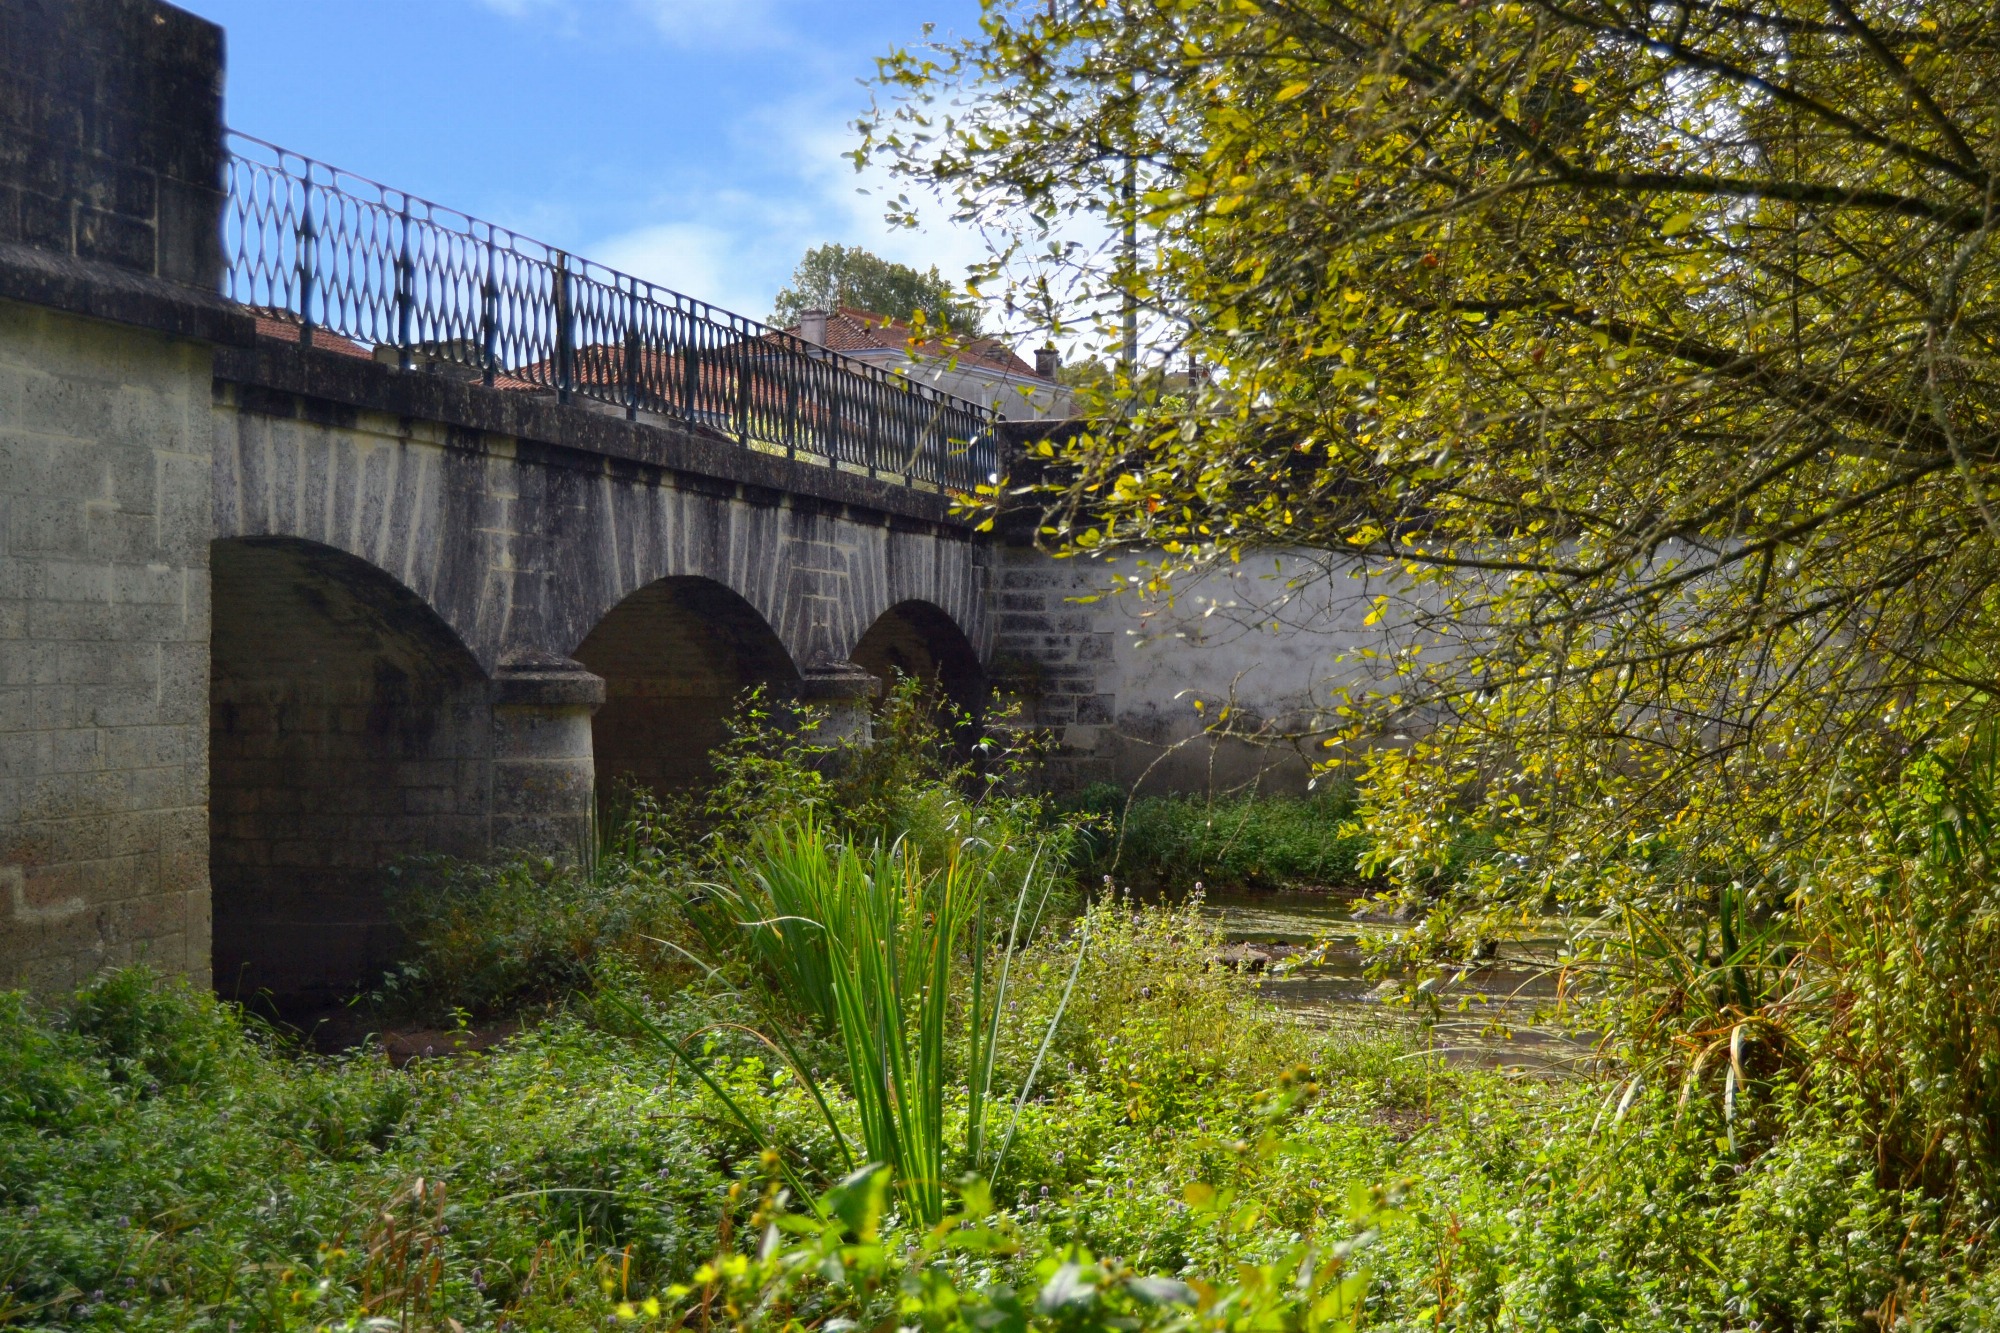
{"x": 850, "y": 204}
{"x": 698, "y": 257}
{"x": 776, "y": 180}
{"x": 733, "y": 23}
{"x": 735, "y": 247}
{"x": 705, "y": 24}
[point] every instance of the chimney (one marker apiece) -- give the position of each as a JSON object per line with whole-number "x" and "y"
{"x": 812, "y": 326}
{"x": 1047, "y": 362}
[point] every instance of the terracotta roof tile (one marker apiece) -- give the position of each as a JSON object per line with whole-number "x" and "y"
{"x": 284, "y": 325}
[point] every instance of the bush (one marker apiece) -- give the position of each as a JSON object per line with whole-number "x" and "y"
{"x": 485, "y": 940}
{"x": 44, "y": 1081}
{"x": 154, "y": 1034}
{"x": 266, "y": 1190}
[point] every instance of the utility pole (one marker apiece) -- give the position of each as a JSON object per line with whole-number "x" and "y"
{"x": 1130, "y": 353}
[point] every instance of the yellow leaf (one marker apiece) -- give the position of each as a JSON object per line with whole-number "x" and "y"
{"x": 1291, "y": 90}
{"x": 1676, "y": 224}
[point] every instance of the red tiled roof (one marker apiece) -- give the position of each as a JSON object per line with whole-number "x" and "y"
{"x": 716, "y": 389}
{"x": 853, "y": 330}
{"x": 284, "y": 325}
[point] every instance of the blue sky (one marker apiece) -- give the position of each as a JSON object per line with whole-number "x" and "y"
{"x": 693, "y": 142}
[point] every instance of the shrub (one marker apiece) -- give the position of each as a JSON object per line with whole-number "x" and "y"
{"x": 483, "y": 940}
{"x": 153, "y": 1033}
{"x": 44, "y": 1082}
{"x": 1151, "y": 1003}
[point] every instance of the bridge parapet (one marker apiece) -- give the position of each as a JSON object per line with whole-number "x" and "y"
{"x": 341, "y": 262}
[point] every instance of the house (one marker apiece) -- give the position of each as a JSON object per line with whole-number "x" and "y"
{"x": 983, "y": 370}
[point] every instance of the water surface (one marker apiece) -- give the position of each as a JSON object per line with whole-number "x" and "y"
{"x": 1491, "y": 1016}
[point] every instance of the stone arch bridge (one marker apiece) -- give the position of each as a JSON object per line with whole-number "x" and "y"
{"x": 440, "y": 625}
{"x": 298, "y": 575}
{"x": 335, "y": 525}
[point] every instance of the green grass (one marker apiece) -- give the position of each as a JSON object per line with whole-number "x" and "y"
{"x": 1237, "y": 842}
{"x": 663, "y": 1144}
{"x": 165, "y": 1166}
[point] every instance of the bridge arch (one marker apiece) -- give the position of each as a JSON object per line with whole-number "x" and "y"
{"x": 349, "y": 726}
{"x": 675, "y": 655}
{"x": 919, "y": 639}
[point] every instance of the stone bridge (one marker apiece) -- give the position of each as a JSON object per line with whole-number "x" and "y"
{"x": 273, "y": 613}
{"x": 307, "y": 565}
{"x": 440, "y": 619}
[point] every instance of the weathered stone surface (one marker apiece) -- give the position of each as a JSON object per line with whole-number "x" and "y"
{"x": 520, "y": 547}
{"x": 104, "y": 625}
{"x": 111, "y": 135}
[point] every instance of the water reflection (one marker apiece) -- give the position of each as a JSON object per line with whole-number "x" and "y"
{"x": 1488, "y": 1016}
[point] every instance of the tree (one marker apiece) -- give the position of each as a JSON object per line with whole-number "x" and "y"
{"x": 1643, "y": 352}
{"x": 831, "y": 276}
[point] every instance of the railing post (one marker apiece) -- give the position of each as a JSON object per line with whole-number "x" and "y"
{"x": 691, "y": 378}
{"x": 743, "y": 390}
{"x": 406, "y": 294}
{"x": 632, "y": 365}
{"x": 565, "y": 331}
{"x": 833, "y": 400}
{"x": 489, "y": 320}
{"x": 308, "y": 241}
{"x": 872, "y": 442}
{"x": 792, "y": 373}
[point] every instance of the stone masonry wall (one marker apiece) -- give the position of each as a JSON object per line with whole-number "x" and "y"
{"x": 1051, "y": 653}
{"x": 111, "y": 135}
{"x": 1116, "y": 681}
{"x": 105, "y": 434}
{"x": 111, "y": 159}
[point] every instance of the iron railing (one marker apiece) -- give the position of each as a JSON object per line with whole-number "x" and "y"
{"x": 340, "y": 261}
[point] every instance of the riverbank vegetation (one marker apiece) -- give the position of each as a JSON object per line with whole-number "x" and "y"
{"x": 1059, "y": 1112}
{"x": 1234, "y": 841}
{"x": 1637, "y": 362}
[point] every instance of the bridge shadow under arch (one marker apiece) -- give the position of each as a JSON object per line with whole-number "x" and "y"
{"x": 349, "y": 726}
{"x": 675, "y": 657}
{"x": 919, "y": 640}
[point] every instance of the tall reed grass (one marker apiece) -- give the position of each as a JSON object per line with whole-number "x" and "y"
{"x": 869, "y": 944}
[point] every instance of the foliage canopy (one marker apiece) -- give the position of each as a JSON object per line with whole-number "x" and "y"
{"x": 1640, "y": 356}
{"x": 831, "y": 276}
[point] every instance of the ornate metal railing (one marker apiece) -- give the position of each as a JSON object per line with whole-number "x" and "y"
{"x": 340, "y": 261}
